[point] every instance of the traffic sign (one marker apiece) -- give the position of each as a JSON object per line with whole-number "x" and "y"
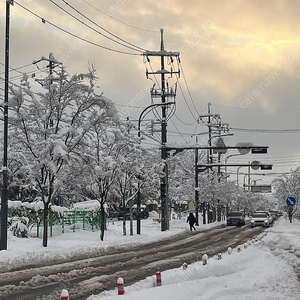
{"x": 220, "y": 143}
{"x": 255, "y": 165}
{"x": 259, "y": 150}
{"x": 266, "y": 167}
{"x": 290, "y": 201}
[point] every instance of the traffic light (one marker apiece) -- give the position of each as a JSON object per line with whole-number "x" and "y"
{"x": 259, "y": 150}
{"x": 266, "y": 167}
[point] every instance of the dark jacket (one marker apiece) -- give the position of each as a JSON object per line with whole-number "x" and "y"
{"x": 191, "y": 219}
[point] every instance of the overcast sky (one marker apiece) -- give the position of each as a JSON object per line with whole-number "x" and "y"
{"x": 242, "y": 56}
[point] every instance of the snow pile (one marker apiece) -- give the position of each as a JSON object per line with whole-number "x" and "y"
{"x": 263, "y": 269}
{"x": 87, "y": 205}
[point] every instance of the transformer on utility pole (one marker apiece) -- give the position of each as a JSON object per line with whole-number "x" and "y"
{"x": 164, "y": 92}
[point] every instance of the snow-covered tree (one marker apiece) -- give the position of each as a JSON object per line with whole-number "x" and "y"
{"x": 51, "y": 129}
{"x": 287, "y": 185}
{"x": 114, "y": 155}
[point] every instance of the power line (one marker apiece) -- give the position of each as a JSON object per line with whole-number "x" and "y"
{"x": 184, "y": 122}
{"x": 74, "y": 17}
{"x": 72, "y": 34}
{"x": 185, "y": 100}
{"x": 188, "y": 106}
{"x": 266, "y": 130}
{"x": 155, "y": 31}
{"x": 178, "y": 131}
{"x": 256, "y": 109}
{"x": 15, "y": 69}
{"x": 16, "y": 77}
{"x": 181, "y": 68}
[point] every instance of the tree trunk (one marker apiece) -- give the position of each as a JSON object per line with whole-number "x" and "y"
{"x": 45, "y": 223}
{"x": 124, "y": 216}
{"x": 102, "y": 221}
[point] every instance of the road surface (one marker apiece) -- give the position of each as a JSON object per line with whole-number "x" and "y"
{"x": 97, "y": 271}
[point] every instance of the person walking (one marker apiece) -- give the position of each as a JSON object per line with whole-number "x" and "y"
{"x": 191, "y": 220}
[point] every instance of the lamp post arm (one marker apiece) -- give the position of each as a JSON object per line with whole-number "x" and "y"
{"x": 226, "y": 158}
{"x": 150, "y": 106}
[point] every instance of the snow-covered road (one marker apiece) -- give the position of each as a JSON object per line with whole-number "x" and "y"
{"x": 92, "y": 272}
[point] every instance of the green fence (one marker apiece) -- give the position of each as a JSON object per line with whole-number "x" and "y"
{"x": 71, "y": 221}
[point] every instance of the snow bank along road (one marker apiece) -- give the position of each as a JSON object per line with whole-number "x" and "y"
{"x": 97, "y": 270}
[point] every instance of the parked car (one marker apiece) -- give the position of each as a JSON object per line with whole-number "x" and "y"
{"x": 236, "y": 218}
{"x": 260, "y": 219}
{"x": 143, "y": 213}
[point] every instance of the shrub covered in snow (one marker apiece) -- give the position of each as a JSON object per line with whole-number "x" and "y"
{"x": 19, "y": 226}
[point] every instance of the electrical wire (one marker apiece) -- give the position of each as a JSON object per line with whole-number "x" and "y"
{"x": 186, "y": 102}
{"x": 179, "y": 131}
{"x": 188, "y": 124}
{"x": 74, "y": 35}
{"x": 185, "y": 81}
{"x": 14, "y": 69}
{"x": 266, "y": 130}
{"x": 132, "y": 46}
{"x": 183, "y": 95}
{"x": 18, "y": 77}
{"x": 154, "y": 31}
{"x": 257, "y": 109}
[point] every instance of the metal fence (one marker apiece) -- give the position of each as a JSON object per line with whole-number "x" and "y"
{"x": 70, "y": 221}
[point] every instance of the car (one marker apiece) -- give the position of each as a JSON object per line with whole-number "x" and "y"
{"x": 276, "y": 214}
{"x": 260, "y": 219}
{"x": 143, "y": 213}
{"x": 271, "y": 217}
{"x": 236, "y": 218}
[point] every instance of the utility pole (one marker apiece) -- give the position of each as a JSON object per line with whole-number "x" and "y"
{"x": 209, "y": 158}
{"x": 4, "y": 198}
{"x": 196, "y": 183}
{"x": 164, "y": 93}
{"x": 215, "y": 126}
{"x": 52, "y": 64}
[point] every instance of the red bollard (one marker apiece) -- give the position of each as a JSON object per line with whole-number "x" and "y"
{"x": 239, "y": 249}
{"x": 184, "y": 266}
{"x": 64, "y": 295}
{"x": 219, "y": 256}
{"x": 120, "y": 283}
{"x": 204, "y": 259}
{"x": 158, "y": 279}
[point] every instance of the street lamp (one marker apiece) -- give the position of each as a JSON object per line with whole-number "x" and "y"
{"x": 248, "y": 174}
{"x": 164, "y": 180}
{"x": 150, "y": 106}
{"x": 241, "y": 152}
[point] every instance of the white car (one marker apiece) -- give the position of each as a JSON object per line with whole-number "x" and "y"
{"x": 260, "y": 219}
{"x": 271, "y": 218}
